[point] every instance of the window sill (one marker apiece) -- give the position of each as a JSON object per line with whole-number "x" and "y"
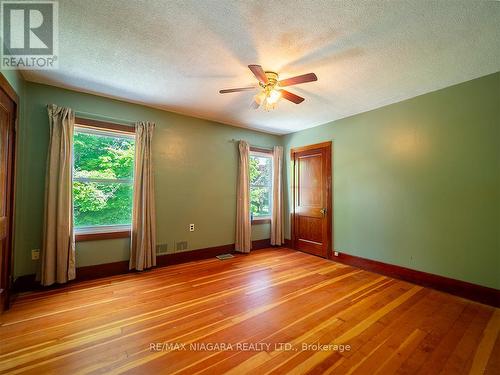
{"x": 80, "y": 237}
{"x": 261, "y": 220}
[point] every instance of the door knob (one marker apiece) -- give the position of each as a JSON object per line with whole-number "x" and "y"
{"x": 323, "y": 211}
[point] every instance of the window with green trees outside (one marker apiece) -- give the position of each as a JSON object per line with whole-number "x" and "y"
{"x": 103, "y": 168}
{"x": 261, "y": 179}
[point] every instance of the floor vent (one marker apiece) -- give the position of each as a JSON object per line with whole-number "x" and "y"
{"x": 225, "y": 256}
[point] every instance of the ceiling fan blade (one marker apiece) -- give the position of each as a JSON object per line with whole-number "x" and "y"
{"x": 226, "y": 91}
{"x": 292, "y": 97}
{"x": 309, "y": 77}
{"x": 259, "y": 73}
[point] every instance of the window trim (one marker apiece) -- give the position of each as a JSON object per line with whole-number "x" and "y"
{"x": 261, "y": 220}
{"x": 260, "y": 150}
{"x": 97, "y": 124}
{"x": 267, "y": 153}
{"x": 95, "y": 236}
{"x": 103, "y": 232}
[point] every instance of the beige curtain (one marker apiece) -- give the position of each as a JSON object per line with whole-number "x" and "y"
{"x": 243, "y": 241}
{"x": 58, "y": 247}
{"x": 143, "y": 241}
{"x": 277, "y": 233}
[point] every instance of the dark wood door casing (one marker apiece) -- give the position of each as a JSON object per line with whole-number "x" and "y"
{"x": 8, "y": 118}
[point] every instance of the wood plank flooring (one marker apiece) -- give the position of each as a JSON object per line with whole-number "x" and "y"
{"x": 263, "y": 313}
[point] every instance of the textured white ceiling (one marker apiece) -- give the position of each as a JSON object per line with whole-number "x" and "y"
{"x": 176, "y": 55}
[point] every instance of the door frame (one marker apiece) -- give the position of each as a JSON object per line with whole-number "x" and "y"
{"x": 8, "y": 259}
{"x": 329, "y": 192}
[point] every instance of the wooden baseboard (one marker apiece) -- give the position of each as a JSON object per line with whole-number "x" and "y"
{"x": 25, "y": 283}
{"x": 189, "y": 256}
{"x": 483, "y": 294}
{"x": 474, "y": 292}
{"x": 261, "y": 244}
{"x": 28, "y": 282}
{"x": 3, "y": 300}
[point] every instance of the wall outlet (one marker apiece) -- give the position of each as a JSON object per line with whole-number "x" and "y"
{"x": 35, "y": 254}
{"x": 336, "y": 253}
{"x": 191, "y": 227}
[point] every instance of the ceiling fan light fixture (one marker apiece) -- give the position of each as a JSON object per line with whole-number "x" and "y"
{"x": 274, "y": 96}
{"x": 271, "y": 85}
{"x": 268, "y": 98}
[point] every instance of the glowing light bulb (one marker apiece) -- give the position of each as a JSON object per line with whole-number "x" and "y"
{"x": 273, "y": 97}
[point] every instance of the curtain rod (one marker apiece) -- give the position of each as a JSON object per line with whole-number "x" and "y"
{"x": 261, "y": 147}
{"x": 93, "y": 116}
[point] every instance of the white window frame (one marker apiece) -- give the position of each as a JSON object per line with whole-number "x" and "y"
{"x": 270, "y": 156}
{"x": 95, "y": 229}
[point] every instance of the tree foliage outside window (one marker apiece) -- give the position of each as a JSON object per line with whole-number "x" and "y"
{"x": 260, "y": 185}
{"x": 102, "y": 178}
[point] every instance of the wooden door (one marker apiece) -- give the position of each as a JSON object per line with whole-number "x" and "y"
{"x": 312, "y": 199}
{"x": 7, "y": 127}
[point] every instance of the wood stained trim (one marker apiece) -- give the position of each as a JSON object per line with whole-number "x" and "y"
{"x": 7, "y": 263}
{"x": 261, "y": 221}
{"x": 27, "y": 282}
{"x": 310, "y": 147}
{"x": 103, "y": 125}
{"x": 85, "y": 122}
{"x": 479, "y": 293}
{"x": 262, "y": 150}
{"x": 482, "y": 294}
{"x": 101, "y": 236}
{"x": 261, "y": 244}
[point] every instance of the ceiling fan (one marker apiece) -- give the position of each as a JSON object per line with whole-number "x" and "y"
{"x": 271, "y": 87}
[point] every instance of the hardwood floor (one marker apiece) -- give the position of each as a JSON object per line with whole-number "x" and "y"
{"x": 138, "y": 323}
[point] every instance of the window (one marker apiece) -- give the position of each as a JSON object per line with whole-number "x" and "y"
{"x": 103, "y": 168}
{"x": 261, "y": 179}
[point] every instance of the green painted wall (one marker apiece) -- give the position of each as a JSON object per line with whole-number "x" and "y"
{"x": 417, "y": 183}
{"x": 195, "y": 170}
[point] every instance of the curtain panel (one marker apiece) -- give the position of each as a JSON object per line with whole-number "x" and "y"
{"x": 243, "y": 241}
{"x": 277, "y": 232}
{"x": 143, "y": 239}
{"x": 58, "y": 246}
